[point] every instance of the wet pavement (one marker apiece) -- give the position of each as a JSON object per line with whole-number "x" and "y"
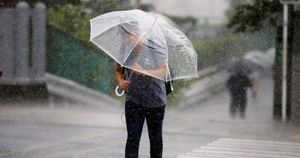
{"x": 59, "y": 131}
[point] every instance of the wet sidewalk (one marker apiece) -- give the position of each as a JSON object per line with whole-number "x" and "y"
{"x": 60, "y": 131}
{"x": 256, "y": 136}
{"x": 211, "y": 116}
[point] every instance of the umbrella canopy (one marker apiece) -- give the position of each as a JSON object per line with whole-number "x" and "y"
{"x": 239, "y": 67}
{"x": 144, "y": 43}
{"x": 257, "y": 58}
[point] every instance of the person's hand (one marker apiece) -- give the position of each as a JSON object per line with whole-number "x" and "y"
{"x": 124, "y": 84}
{"x": 254, "y": 90}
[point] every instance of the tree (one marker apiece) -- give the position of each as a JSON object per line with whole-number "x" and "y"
{"x": 234, "y": 4}
{"x": 187, "y": 24}
{"x": 254, "y": 16}
{"x": 71, "y": 19}
{"x": 74, "y": 19}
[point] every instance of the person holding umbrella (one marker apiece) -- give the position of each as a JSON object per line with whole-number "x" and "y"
{"x": 148, "y": 52}
{"x": 145, "y": 95}
{"x": 238, "y": 83}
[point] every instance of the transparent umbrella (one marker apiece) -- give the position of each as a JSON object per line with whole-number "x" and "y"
{"x": 145, "y": 43}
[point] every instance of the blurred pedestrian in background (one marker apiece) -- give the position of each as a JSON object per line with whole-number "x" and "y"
{"x": 238, "y": 83}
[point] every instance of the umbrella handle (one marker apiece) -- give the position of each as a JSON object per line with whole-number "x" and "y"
{"x": 117, "y": 91}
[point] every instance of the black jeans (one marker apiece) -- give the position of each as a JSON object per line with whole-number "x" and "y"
{"x": 135, "y": 117}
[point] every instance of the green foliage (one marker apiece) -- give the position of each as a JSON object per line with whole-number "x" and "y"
{"x": 74, "y": 19}
{"x": 217, "y": 50}
{"x": 69, "y": 18}
{"x": 255, "y": 16}
{"x": 188, "y": 23}
{"x": 212, "y": 51}
{"x": 182, "y": 20}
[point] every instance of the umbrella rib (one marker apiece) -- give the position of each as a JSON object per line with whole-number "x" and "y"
{"x": 103, "y": 31}
{"x": 101, "y": 48}
{"x": 146, "y": 32}
{"x": 139, "y": 40}
{"x": 169, "y": 72}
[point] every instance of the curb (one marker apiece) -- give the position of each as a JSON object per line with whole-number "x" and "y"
{"x": 205, "y": 88}
{"x": 73, "y": 92}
